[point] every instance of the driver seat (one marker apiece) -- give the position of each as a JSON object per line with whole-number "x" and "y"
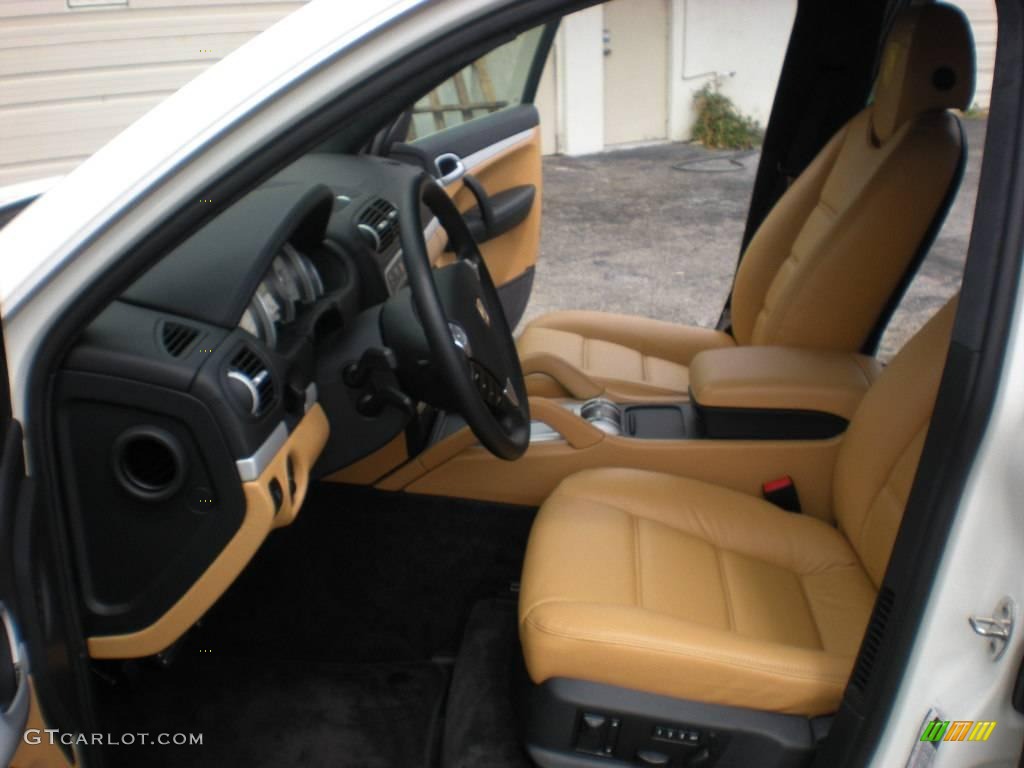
{"x": 692, "y": 591}
{"x": 830, "y": 256}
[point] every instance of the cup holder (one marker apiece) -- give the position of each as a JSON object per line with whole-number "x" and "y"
{"x": 603, "y": 414}
{"x": 149, "y": 463}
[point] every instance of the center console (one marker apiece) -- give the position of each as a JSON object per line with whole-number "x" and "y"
{"x": 742, "y": 393}
{"x": 641, "y": 422}
{"x": 753, "y": 415}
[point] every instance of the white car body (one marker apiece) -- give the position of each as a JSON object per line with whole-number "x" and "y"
{"x": 70, "y": 236}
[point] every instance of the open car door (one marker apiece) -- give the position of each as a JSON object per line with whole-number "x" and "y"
{"x": 34, "y": 624}
{"x": 479, "y": 133}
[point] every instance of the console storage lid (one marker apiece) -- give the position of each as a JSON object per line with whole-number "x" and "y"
{"x": 780, "y": 380}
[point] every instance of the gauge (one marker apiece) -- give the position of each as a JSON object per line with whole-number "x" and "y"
{"x": 267, "y": 310}
{"x": 249, "y": 323}
{"x": 311, "y": 285}
{"x": 283, "y": 284}
{"x": 287, "y": 277}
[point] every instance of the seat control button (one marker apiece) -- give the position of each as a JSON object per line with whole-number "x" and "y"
{"x": 650, "y": 757}
{"x": 592, "y": 733}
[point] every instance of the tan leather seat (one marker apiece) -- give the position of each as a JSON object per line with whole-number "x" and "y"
{"x": 827, "y": 259}
{"x": 681, "y": 588}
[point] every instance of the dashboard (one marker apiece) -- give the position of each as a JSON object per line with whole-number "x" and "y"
{"x": 197, "y": 382}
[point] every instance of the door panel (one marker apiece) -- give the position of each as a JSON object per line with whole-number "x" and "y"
{"x": 479, "y": 132}
{"x": 502, "y": 152}
{"x": 36, "y": 637}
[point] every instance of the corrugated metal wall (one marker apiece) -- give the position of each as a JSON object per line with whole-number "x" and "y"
{"x": 72, "y": 78}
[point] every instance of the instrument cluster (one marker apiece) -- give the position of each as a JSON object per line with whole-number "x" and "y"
{"x": 292, "y": 282}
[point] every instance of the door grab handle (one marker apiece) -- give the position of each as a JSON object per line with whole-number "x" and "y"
{"x": 451, "y": 168}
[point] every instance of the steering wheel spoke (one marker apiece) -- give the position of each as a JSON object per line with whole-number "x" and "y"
{"x": 464, "y": 336}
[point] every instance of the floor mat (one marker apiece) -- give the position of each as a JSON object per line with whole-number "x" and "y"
{"x": 283, "y": 714}
{"x": 371, "y": 577}
{"x": 481, "y": 728}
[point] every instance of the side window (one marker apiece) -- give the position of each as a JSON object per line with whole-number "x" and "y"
{"x": 497, "y": 80}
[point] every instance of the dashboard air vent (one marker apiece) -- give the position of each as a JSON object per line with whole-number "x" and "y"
{"x": 378, "y": 221}
{"x": 250, "y": 382}
{"x": 177, "y": 338}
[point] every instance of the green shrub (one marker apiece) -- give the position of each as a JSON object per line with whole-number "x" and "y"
{"x": 719, "y": 124}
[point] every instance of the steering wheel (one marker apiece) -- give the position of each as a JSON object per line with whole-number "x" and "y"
{"x": 449, "y": 332}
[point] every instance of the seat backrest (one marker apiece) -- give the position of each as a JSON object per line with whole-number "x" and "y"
{"x": 829, "y": 257}
{"x": 882, "y": 446}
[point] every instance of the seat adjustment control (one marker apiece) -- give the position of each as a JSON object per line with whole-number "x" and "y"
{"x": 597, "y": 734}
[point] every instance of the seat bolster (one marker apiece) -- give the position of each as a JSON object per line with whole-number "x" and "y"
{"x": 655, "y": 338}
{"x": 635, "y": 648}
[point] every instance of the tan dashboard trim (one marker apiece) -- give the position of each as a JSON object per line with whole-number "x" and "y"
{"x": 302, "y": 449}
{"x": 372, "y": 468}
{"x": 460, "y": 467}
{"x": 541, "y": 367}
{"x": 579, "y": 433}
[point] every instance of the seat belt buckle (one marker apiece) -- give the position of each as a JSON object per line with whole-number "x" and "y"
{"x": 782, "y": 493}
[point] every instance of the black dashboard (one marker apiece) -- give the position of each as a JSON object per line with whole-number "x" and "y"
{"x": 188, "y": 385}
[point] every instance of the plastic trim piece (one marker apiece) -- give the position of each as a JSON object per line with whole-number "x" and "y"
{"x": 252, "y": 467}
{"x": 734, "y": 736}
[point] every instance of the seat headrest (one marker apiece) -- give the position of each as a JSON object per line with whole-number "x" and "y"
{"x": 927, "y": 64}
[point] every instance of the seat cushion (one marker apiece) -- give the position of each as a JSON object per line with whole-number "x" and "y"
{"x": 627, "y": 356}
{"x": 685, "y": 589}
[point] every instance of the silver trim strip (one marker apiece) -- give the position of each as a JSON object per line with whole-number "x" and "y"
{"x": 252, "y": 467}
{"x": 312, "y": 395}
{"x": 542, "y": 432}
{"x": 12, "y": 720}
{"x": 481, "y": 156}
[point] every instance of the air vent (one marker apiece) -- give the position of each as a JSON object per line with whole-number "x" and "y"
{"x": 873, "y": 638}
{"x": 149, "y": 463}
{"x": 177, "y": 338}
{"x": 250, "y": 382}
{"x": 381, "y": 219}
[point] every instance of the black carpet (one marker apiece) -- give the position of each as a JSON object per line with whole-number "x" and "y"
{"x": 368, "y": 576}
{"x": 334, "y": 646}
{"x": 481, "y": 727}
{"x": 270, "y": 715}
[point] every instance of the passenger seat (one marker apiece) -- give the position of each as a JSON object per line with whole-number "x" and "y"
{"x": 829, "y": 257}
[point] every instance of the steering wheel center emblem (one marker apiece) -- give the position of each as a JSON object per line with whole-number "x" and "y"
{"x": 482, "y": 311}
{"x": 460, "y": 338}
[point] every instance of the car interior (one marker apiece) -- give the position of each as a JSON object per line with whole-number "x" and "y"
{"x": 325, "y": 506}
